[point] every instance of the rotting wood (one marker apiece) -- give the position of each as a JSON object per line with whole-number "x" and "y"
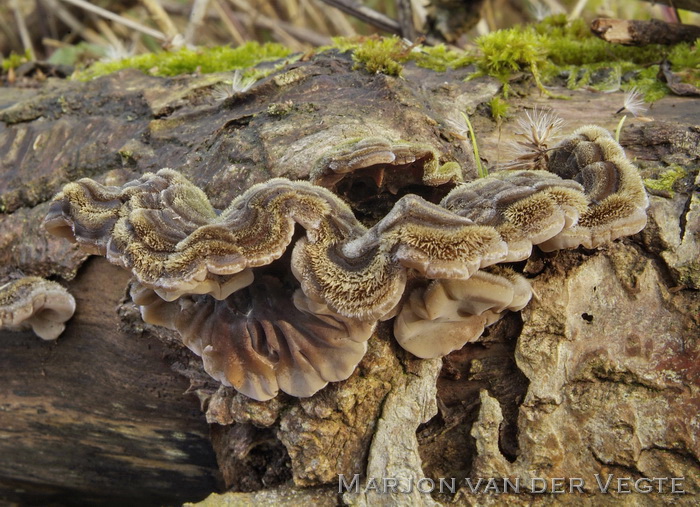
{"x": 98, "y": 415}
{"x": 641, "y": 33}
{"x": 226, "y": 147}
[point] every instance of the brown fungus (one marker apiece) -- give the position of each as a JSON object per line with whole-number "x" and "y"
{"x": 618, "y": 201}
{"x": 194, "y": 268}
{"x": 365, "y": 277}
{"x": 371, "y": 173}
{"x": 264, "y": 338}
{"x": 36, "y": 303}
{"x": 357, "y": 272}
{"x": 222, "y": 279}
{"x": 526, "y": 207}
{"x": 375, "y": 157}
{"x": 447, "y": 314}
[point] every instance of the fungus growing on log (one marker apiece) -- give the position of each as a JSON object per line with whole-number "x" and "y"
{"x": 525, "y": 207}
{"x": 391, "y": 164}
{"x": 264, "y": 338}
{"x": 618, "y": 201}
{"x": 36, "y": 303}
{"x": 281, "y": 290}
{"x": 447, "y": 314}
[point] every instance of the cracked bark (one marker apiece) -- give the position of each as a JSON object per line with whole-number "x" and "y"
{"x": 107, "y": 398}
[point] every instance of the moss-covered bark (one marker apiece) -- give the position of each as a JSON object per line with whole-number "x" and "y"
{"x": 85, "y": 396}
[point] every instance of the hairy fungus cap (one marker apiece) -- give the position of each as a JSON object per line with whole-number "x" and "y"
{"x": 204, "y": 272}
{"x": 525, "y": 207}
{"x": 364, "y": 277}
{"x": 37, "y": 303}
{"x": 447, "y": 314}
{"x": 165, "y": 231}
{"x": 615, "y": 188}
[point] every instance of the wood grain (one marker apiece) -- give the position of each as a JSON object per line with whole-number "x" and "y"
{"x": 98, "y": 414}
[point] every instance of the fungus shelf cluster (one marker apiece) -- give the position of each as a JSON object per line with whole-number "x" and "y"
{"x": 36, "y": 303}
{"x": 282, "y": 289}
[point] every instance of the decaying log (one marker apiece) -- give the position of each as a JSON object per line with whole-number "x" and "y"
{"x": 102, "y": 413}
{"x": 98, "y": 415}
{"x": 641, "y": 33}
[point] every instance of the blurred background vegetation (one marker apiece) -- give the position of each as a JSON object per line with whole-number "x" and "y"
{"x": 77, "y": 32}
{"x": 549, "y": 40}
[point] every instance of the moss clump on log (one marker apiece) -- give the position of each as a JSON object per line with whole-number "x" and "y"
{"x": 186, "y": 60}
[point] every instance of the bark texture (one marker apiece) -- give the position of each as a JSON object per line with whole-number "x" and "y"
{"x": 599, "y": 374}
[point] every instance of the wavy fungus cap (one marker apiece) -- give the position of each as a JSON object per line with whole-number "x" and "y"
{"x": 447, "y": 314}
{"x": 390, "y": 164}
{"x": 37, "y": 303}
{"x": 281, "y": 290}
{"x": 526, "y": 207}
{"x": 618, "y": 200}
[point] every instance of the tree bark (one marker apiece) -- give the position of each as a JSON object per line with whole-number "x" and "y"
{"x": 641, "y": 33}
{"x": 102, "y": 414}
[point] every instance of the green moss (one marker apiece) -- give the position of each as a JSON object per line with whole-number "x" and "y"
{"x": 647, "y": 82}
{"x": 555, "y": 46}
{"x": 685, "y": 60}
{"x": 15, "y": 60}
{"x": 665, "y": 181}
{"x": 547, "y": 49}
{"x": 280, "y": 108}
{"x": 499, "y": 108}
{"x": 186, "y": 60}
{"x": 387, "y": 55}
{"x": 381, "y": 55}
{"x": 601, "y": 76}
{"x": 505, "y": 52}
{"x": 439, "y": 58}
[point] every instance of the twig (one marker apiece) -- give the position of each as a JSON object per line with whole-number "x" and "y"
{"x": 364, "y": 13}
{"x": 578, "y": 9}
{"x": 116, "y": 17}
{"x": 299, "y": 33}
{"x": 73, "y": 23}
{"x": 235, "y": 28}
{"x": 160, "y": 17}
{"x": 280, "y": 34}
{"x": 255, "y": 19}
{"x": 108, "y": 34}
{"x": 318, "y": 17}
{"x": 339, "y": 23}
{"x": 404, "y": 12}
{"x": 284, "y": 32}
{"x": 689, "y": 5}
{"x": 199, "y": 10}
{"x": 490, "y": 17}
{"x": 23, "y": 32}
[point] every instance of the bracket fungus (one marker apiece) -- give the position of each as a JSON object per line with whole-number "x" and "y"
{"x": 447, "y": 314}
{"x": 373, "y": 172}
{"x": 36, "y": 303}
{"x": 263, "y": 338}
{"x": 281, "y": 290}
{"x": 390, "y": 164}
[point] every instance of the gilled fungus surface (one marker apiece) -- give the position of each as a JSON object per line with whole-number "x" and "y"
{"x": 36, "y": 303}
{"x": 282, "y": 289}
